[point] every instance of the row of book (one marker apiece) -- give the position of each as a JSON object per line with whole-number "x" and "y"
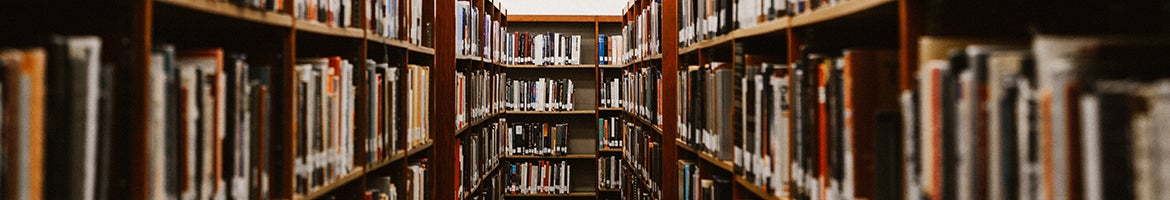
{"x": 610, "y": 48}
{"x": 637, "y": 92}
{"x": 701, "y": 20}
{"x": 1063, "y": 117}
{"x": 541, "y": 48}
{"x": 474, "y": 33}
{"x": 334, "y": 13}
{"x": 398, "y": 19}
{"x": 542, "y": 94}
{"x": 640, "y": 38}
{"x": 706, "y": 94}
{"x": 325, "y": 96}
{"x": 479, "y": 93}
{"x": 416, "y": 180}
{"x": 693, "y": 186}
{"x": 57, "y": 109}
{"x": 539, "y": 177}
{"x": 610, "y": 132}
{"x": 479, "y": 151}
{"x": 385, "y": 138}
{"x": 609, "y": 172}
{"x": 644, "y": 152}
{"x": 762, "y": 137}
{"x": 381, "y": 188}
{"x": 542, "y": 139}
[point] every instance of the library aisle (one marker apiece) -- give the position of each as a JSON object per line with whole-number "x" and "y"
{"x": 606, "y": 99}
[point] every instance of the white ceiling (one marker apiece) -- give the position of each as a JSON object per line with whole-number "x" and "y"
{"x": 563, "y": 7}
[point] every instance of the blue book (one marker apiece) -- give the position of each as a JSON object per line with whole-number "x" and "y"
{"x": 601, "y": 47}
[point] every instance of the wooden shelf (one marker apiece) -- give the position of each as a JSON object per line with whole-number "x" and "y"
{"x": 646, "y": 122}
{"x": 836, "y": 11}
{"x": 420, "y": 148}
{"x": 337, "y": 183}
{"x": 476, "y": 187}
{"x": 584, "y": 66}
{"x": 468, "y": 57}
{"x": 566, "y": 18}
{"x": 319, "y": 28}
{"x": 609, "y": 150}
{"x": 562, "y": 157}
{"x": 610, "y": 66}
{"x": 571, "y": 194}
{"x": 223, "y": 8}
{"x": 609, "y": 109}
{"x": 600, "y": 190}
{"x": 398, "y": 155}
{"x": 572, "y": 112}
{"x": 780, "y": 24}
{"x": 757, "y": 190}
{"x": 637, "y": 173}
{"x": 460, "y": 131}
{"x": 725, "y": 165}
{"x": 371, "y": 36}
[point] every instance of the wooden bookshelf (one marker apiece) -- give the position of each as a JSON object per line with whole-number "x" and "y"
{"x": 474, "y": 123}
{"x": 571, "y": 194}
{"x": 706, "y": 157}
{"x": 584, "y": 66}
{"x": 561, "y": 157}
{"x": 482, "y": 179}
{"x": 653, "y": 126}
{"x": 321, "y": 191}
{"x": 223, "y": 8}
{"x": 571, "y": 112}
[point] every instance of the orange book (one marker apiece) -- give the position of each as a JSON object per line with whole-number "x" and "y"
{"x": 24, "y": 92}
{"x": 213, "y": 60}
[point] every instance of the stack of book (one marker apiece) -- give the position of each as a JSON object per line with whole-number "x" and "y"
{"x": 542, "y": 94}
{"x": 334, "y": 13}
{"x": 644, "y": 153}
{"x": 381, "y": 187}
{"x": 325, "y": 109}
{"x": 641, "y": 37}
{"x": 540, "y": 177}
{"x": 418, "y": 101}
{"x": 416, "y": 180}
{"x": 705, "y": 100}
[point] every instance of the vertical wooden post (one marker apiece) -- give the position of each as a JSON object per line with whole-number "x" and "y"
{"x": 139, "y": 98}
{"x": 669, "y": 98}
{"x": 443, "y": 87}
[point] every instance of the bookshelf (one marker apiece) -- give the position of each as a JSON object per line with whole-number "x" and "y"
{"x": 844, "y": 42}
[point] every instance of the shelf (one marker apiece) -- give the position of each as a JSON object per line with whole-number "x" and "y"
{"x": 572, "y": 112}
{"x": 779, "y": 24}
{"x": 223, "y": 8}
{"x": 460, "y": 131}
{"x": 643, "y": 59}
{"x": 562, "y": 157}
{"x": 757, "y": 190}
{"x": 610, "y": 66}
{"x": 609, "y": 109}
{"x": 599, "y": 190}
{"x": 468, "y": 57}
{"x": 400, "y": 44}
{"x": 585, "y": 66}
{"x": 319, "y": 28}
{"x": 572, "y": 194}
{"x": 319, "y": 192}
{"x": 725, "y": 165}
{"x": 489, "y": 174}
{"x": 836, "y": 11}
{"x": 420, "y": 148}
{"x": 398, "y": 155}
{"x": 637, "y": 173}
{"x": 566, "y": 18}
{"x": 646, "y": 122}
{"x": 609, "y": 150}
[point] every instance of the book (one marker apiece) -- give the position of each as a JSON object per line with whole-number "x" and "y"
{"x": 71, "y": 83}
{"x": 23, "y": 91}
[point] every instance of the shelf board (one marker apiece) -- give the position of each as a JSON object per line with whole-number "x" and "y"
{"x": 725, "y": 165}
{"x": 585, "y": 66}
{"x": 571, "y": 194}
{"x": 319, "y": 28}
{"x": 708, "y": 43}
{"x": 400, "y": 44}
{"x": 599, "y": 190}
{"x": 460, "y": 131}
{"x": 223, "y": 8}
{"x": 321, "y": 191}
{"x": 757, "y": 190}
{"x": 566, "y": 18}
{"x": 468, "y": 57}
{"x": 610, "y": 66}
{"x": 646, "y": 122}
{"x": 609, "y": 109}
{"x": 836, "y": 11}
{"x": 398, "y": 155}
{"x": 562, "y": 157}
{"x": 476, "y": 187}
{"x": 572, "y": 112}
{"x": 776, "y": 25}
{"x": 419, "y": 148}
{"x": 609, "y": 150}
